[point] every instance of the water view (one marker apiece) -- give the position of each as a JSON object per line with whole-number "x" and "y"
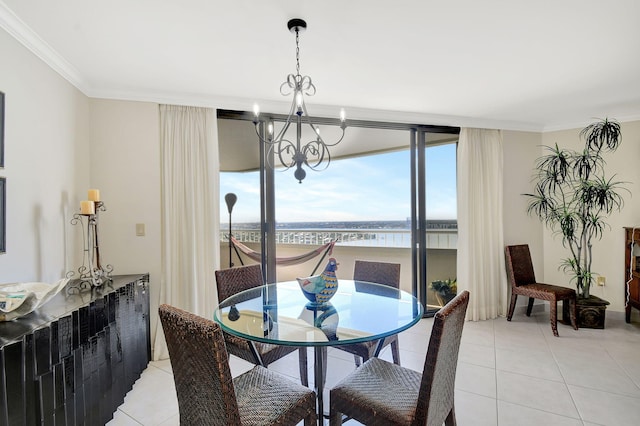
{"x": 440, "y": 234}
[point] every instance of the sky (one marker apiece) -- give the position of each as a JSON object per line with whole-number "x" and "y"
{"x": 374, "y": 187}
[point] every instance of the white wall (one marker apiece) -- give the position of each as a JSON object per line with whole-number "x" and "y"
{"x": 125, "y": 166}
{"x": 46, "y": 166}
{"x": 520, "y": 151}
{"x": 58, "y": 144}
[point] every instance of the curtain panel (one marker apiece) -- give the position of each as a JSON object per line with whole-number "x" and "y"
{"x": 190, "y": 217}
{"x": 481, "y": 264}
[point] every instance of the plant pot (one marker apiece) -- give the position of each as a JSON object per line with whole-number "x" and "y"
{"x": 590, "y": 312}
{"x": 444, "y": 298}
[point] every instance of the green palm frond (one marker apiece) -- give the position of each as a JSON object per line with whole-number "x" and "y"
{"x": 556, "y": 165}
{"x": 596, "y": 225}
{"x": 540, "y": 203}
{"x": 601, "y": 194}
{"x": 585, "y": 163}
{"x": 604, "y": 133}
{"x": 569, "y": 223}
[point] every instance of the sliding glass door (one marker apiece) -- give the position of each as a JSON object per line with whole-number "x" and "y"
{"x": 360, "y": 202}
{"x": 436, "y": 218}
{"x": 387, "y": 195}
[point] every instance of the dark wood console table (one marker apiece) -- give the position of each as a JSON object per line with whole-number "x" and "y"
{"x": 72, "y": 361}
{"x": 631, "y": 272}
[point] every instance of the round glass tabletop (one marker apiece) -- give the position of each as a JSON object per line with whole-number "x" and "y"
{"x": 280, "y": 314}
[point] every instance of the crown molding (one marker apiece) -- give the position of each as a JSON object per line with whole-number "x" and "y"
{"x": 583, "y": 124}
{"x": 282, "y": 107}
{"x": 15, "y": 27}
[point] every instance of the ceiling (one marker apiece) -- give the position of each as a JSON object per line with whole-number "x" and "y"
{"x": 524, "y": 65}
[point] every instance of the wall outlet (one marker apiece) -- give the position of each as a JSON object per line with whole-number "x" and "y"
{"x": 601, "y": 281}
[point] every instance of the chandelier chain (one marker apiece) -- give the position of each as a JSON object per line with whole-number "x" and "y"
{"x": 297, "y": 53}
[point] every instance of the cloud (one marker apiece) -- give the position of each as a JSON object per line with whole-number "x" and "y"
{"x": 375, "y": 187}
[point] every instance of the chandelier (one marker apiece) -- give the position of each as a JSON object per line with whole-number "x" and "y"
{"x": 314, "y": 154}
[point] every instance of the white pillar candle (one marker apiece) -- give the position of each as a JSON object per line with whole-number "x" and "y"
{"x": 94, "y": 195}
{"x": 87, "y": 207}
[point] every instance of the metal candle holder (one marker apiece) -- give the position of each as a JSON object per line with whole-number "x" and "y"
{"x": 92, "y": 273}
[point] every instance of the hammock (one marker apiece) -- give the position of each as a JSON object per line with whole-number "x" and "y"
{"x": 293, "y": 260}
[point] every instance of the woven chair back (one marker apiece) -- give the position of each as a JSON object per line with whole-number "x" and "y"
{"x": 234, "y": 280}
{"x": 436, "y": 396}
{"x": 519, "y": 265}
{"x": 377, "y": 272}
{"x": 200, "y": 364}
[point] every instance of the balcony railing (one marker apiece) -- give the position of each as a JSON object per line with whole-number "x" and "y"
{"x": 401, "y": 238}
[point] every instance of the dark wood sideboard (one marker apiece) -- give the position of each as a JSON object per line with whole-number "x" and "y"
{"x": 73, "y": 360}
{"x": 631, "y": 272}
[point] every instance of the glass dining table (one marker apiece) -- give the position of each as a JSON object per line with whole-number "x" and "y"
{"x": 279, "y": 314}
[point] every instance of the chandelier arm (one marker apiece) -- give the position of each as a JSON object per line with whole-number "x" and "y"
{"x": 278, "y": 152}
{"x": 260, "y": 138}
{"x": 338, "y": 141}
{"x": 274, "y": 140}
{"x": 287, "y": 148}
{"x": 315, "y": 128}
{"x": 285, "y": 127}
{"x": 256, "y": 125}
{"x": 278, "y": 139}
{"x": 315, "y": 152}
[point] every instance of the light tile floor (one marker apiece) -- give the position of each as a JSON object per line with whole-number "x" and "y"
{"x": 509, "y": 373}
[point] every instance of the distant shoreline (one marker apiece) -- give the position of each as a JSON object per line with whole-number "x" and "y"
{"x": 365, "y": 224}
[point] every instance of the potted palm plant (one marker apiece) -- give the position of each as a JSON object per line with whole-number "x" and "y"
{"x": 573, "y": 197}
{"x": 445, "y": 290}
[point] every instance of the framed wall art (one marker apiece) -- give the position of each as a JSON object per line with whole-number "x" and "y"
{"x": 3, "y": 214}
{"x": 1, "y": 130}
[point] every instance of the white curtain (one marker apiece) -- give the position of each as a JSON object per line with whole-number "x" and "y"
{"x": 190, "y": 219}
{"x": 481, "y": 265}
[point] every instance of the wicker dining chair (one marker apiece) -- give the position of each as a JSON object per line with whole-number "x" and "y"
{"x": 523, "y": 281}
{"x": 379, "y": 273}
{"x": 382, "y": 393}
{"x": 234, "y": 280}
{"x": 207, "y": 393}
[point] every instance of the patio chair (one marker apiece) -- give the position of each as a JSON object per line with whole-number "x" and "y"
{"x": 234, "y": 280}
{"x": 379, "y": 273}
{"x": 382, "y": 393}
{"x": 207, "y": 393}
{"x": 523, "y": 281}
